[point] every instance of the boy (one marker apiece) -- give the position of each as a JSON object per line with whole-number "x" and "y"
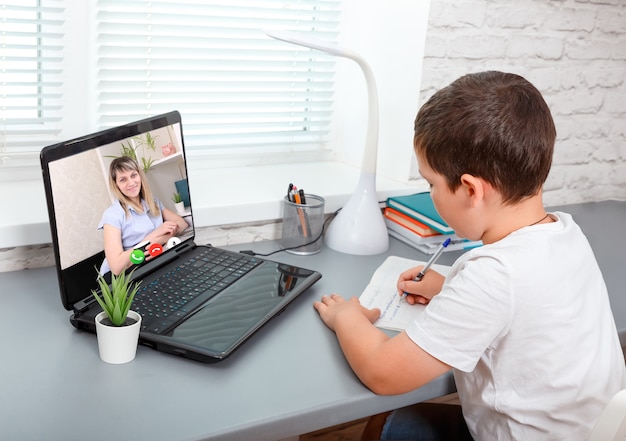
{"x": 524, "y": 321}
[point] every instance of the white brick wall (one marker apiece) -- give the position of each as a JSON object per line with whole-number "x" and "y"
{"x": 573, "y": 51}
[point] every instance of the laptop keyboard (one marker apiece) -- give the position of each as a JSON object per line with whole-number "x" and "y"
{"x": 165, "y": 301}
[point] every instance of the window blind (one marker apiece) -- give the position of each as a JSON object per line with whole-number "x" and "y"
{"x": 31, "y": 53}
{"x": 235, "y": 87}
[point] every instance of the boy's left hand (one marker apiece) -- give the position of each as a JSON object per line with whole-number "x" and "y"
{"x": 334, "y": 307}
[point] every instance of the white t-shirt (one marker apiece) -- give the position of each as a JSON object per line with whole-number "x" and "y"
{"x": 527, "y": 326}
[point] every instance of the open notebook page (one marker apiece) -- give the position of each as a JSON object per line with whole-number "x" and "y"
{"x": 396, "y": 314}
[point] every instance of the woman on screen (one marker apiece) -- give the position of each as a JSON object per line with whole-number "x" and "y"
{"x": 135, "y": 217}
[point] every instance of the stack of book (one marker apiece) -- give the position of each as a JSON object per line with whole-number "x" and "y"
{"x": 414, "y": 220}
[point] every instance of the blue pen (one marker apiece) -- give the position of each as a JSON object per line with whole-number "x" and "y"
{"x": 432, "y": 260}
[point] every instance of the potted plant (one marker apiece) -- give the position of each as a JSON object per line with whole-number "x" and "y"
{"x": 129, "y": 148}
{"x": 178, "y": 203}
{"x": 117, "y": 327}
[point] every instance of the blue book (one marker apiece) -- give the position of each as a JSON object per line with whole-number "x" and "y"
{"x": 421, "y": 208}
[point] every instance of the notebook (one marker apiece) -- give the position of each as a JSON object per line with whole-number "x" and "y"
{"x": 420, "y": 207}
{"x": 221, "y": 298}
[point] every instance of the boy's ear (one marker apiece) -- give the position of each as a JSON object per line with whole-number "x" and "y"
{"x": 473, "y": 187}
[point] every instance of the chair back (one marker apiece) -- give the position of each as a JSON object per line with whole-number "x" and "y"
{"x": 611, "y": 426}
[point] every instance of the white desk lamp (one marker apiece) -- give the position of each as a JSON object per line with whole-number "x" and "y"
{"x": 359, "y": 228}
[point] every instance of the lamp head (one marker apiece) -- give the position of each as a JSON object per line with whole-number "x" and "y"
{"x": 312, "y": 42}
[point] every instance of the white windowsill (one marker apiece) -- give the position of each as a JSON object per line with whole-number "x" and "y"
{"x": 219, "y": 196}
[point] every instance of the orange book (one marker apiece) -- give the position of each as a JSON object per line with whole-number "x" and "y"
{"x": 410, "y": 223}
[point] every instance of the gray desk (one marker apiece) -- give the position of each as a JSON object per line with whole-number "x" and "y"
{"x": 289, "y": 379}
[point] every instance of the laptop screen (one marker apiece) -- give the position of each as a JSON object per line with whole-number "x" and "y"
{"x": 79, "y": 192}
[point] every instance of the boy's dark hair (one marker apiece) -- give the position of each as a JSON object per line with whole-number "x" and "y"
{"x": 492, "y": 125}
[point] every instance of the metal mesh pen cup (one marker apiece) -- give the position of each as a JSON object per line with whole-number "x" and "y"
{"x": 303, "y": 225}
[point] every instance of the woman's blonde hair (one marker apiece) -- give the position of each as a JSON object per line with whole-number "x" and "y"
{"x": 126, "y": 163}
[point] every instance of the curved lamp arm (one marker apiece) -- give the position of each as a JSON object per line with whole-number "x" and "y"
{"x": 371, "y": 140}
{"x": 359, "y": 228}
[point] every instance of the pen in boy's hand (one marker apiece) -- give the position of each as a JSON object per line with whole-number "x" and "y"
{"x": 432, "y": 260}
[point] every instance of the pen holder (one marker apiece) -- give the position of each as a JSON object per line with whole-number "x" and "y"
{"x": 303, "y": 225}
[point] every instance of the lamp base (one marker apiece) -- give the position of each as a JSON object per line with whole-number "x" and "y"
{"x": 359, "y": 228}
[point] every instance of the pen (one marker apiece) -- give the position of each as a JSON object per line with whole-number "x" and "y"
{"x": 432, "y": 260}
{"x": 301, "y": 214}
{"x": 290, "y": 192}
{"x": 296, "y": 197}
{"x": 306, "y": 217}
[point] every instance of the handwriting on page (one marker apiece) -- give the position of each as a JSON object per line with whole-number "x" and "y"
{"x": 396, "y": 314}
{"x": 392, "y": 308}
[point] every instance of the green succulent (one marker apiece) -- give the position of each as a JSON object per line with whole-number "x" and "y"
{"x": 116, "y": 298}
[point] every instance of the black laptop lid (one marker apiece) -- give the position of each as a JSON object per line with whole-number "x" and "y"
{"x": 75, "y": 176}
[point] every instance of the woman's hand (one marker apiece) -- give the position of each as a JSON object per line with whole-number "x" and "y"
{"x": 167, "y": 228}
{"x": 423, "y": 291}
{"x": 170, "y": 216}
{"x": 163, "y": 232}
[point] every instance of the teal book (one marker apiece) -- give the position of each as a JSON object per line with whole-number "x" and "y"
{"x": 421, "y": 208}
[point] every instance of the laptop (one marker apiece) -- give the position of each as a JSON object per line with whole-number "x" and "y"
{"x": 196, "y": 301}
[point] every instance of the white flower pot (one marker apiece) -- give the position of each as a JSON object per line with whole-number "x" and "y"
{"x": 180, "y": 208}
{"x": 118, "y": 344}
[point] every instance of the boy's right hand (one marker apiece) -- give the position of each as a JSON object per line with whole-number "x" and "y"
{"x": 423, "y": 291}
